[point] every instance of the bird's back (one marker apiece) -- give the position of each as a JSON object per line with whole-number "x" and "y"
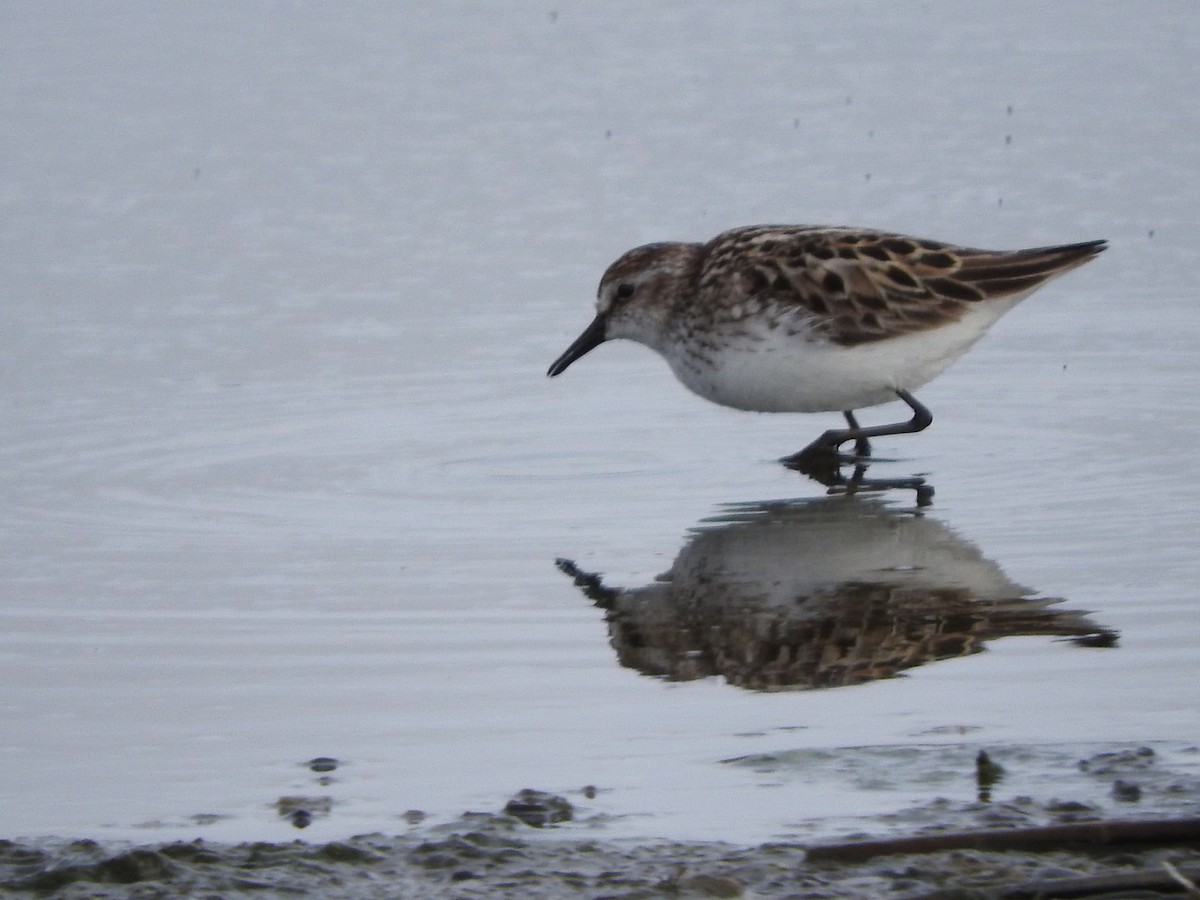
{"x": 853, "y": 286}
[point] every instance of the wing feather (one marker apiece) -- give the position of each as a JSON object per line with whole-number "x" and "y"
{"x": 855, "y": 286}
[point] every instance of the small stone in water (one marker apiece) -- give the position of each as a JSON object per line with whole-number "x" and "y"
{"x": 539, "y": 808}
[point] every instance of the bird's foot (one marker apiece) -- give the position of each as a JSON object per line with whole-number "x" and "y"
{"x": 822, "y": 464}
{"x": 822, "y": 459}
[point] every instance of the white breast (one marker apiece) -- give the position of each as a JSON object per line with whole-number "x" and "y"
{"x": 771, "y": 371}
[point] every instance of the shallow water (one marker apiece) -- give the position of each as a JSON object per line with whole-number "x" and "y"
{"x": 284, "y": 478}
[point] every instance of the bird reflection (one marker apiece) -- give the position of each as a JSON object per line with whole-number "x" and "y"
{"x": 818, "y": 594}
{"x": 828, "y": 467}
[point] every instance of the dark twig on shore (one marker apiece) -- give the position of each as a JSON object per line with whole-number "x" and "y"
{"x": 1098, "y": 885}
{"x": 1049, "y": 837}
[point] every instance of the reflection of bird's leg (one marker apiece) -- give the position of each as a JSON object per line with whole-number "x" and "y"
{"x": 827, "y": 444}
{"x": 859, "y": 482}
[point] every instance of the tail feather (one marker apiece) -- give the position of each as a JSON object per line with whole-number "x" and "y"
{"x": 1001, "y": 273}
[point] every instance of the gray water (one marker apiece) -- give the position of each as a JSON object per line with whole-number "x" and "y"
{"x": 282, "y": 475}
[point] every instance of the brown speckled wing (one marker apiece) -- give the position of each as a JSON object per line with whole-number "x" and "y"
{"x": 858, "y": 286}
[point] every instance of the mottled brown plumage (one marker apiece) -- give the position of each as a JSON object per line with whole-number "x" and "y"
{"x": 857, "y": 286}
{"x": 800, "y": 318}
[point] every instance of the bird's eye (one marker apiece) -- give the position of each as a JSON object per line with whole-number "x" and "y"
{"x": 623, "y": 291}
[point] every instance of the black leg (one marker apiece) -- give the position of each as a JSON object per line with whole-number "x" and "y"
{"x": 821, "y": 461}
{"x": 826, "y": 445}
{"x": 862, "y": 447}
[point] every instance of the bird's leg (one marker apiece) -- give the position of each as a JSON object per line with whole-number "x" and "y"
{"x": 821, "y": 461}
{"x": 827, "y": 444}
{"x": 862, "y": 447}
{"x": 920, "y": 420}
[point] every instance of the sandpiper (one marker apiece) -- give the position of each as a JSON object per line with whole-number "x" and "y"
{"x": 800, "y": 318}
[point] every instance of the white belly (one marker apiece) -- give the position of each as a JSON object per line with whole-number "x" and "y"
{"x": 775, "y": 372}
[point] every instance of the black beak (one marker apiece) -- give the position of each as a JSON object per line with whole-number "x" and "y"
{"x": 593, "y": 336}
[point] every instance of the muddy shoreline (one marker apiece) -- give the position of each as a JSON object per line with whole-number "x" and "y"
{"x": 486, "y": 855}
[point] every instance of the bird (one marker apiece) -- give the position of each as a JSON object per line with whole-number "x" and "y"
{"x": 806, "y": 318}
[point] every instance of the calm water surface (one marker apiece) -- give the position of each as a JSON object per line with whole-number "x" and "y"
{"x": 283, "y": 476}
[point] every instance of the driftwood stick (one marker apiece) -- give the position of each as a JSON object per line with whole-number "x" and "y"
{"x": 1187, "y": 880}
{"x": 1048, "y": 837}
{"x": 1094, "y": 885}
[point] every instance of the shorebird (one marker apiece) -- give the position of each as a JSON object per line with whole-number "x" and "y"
{"x": 800, "y": 318}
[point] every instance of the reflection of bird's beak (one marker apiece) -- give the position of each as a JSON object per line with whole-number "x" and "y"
{"x": 593, "y": 336}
